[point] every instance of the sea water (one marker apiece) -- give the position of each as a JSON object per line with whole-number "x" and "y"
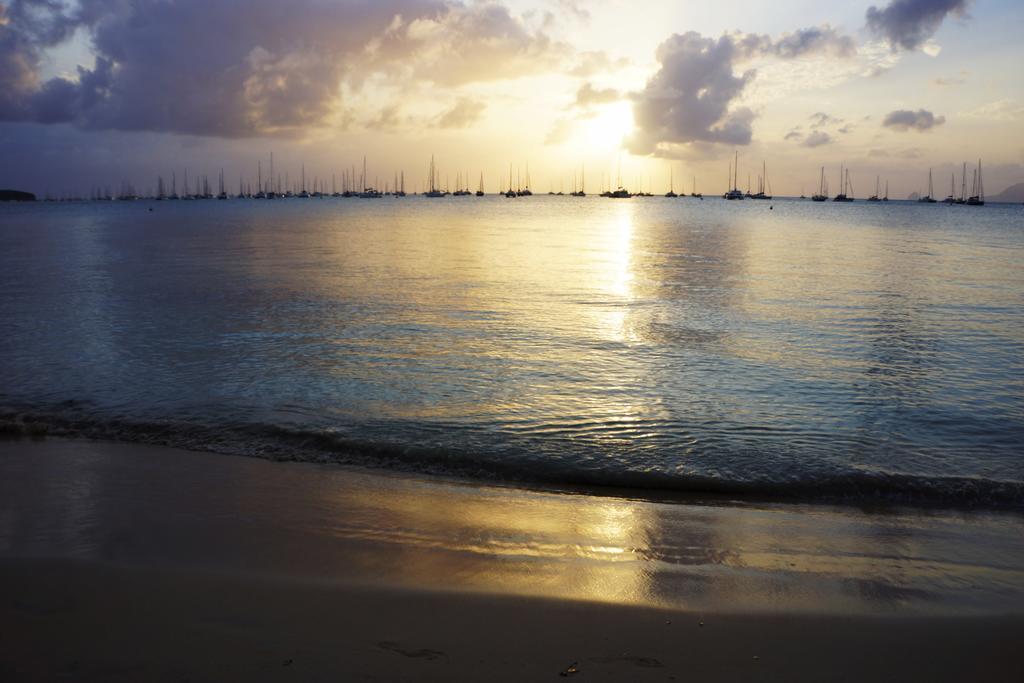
{"x": 860, "y": 352}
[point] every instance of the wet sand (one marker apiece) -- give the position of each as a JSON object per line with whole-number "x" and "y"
{"x": 122, "y": 562}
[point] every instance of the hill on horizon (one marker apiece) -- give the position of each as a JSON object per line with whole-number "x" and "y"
{"x": 1014, "y": 193}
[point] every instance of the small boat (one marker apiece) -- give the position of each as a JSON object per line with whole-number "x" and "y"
{"x": 480, "y": 188}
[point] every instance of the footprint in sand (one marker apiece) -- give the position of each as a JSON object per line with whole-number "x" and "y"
{"x": 429, "y": 655}
{"x": 646, "y": 662}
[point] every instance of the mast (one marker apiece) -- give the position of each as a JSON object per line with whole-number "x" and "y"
{"x": 981, "y": 186}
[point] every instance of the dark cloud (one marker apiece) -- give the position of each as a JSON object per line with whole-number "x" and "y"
{"x": 688, "y": 99}
{"x": 463, "y": 114}
{"x": 235, "y": 68}
{"x": 920, "y": 120}
{"x": 588, "y": 95}
{"x": 817, "y": 139}
{"x": 814, "y": 40}
{"x": 907, "y": 24}
{"x": 793, "y": 135}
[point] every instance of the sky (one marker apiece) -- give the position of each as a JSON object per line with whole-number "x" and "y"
{"x": 99, "y": 92}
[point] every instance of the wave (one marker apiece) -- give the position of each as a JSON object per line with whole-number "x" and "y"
{"x": 284, "y": 443}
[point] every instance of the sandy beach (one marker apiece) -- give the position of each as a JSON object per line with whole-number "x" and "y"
{"x": 286, "y": 571}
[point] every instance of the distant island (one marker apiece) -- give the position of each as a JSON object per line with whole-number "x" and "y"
{"x": 16, "y": 196}
{"x": 1014, "y": 193}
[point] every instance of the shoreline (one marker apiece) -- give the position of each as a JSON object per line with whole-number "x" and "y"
{"x": 146, "y": 563}
{"x": 891, "y": 492}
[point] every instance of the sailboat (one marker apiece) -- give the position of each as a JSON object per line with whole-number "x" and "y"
{"x": 762, "y": 183}
{"x": 273, "y": 188}
{"x": 977, "y": 197}
{"x": 822, "y": 195}
{"x": 368, "y": 191}
{"x": 583, "y": 181}
{"x": 302, "y": 192}
{"x": 928, "y": 198}
{"x": 885, "y": 198}
{"x": 962, "y": 199}
{"x": 223, "y": 192}
{"x": 671, "y": 190}
{"x": 875, "y": 197}
{"x": 620, "y": 192}
{"x": 526, "y": 191}
{"x": 174, "y": 187}
{"x": 511, "y": 194}
{"x": 480, "y": 188}
{"x": 434, "y": 191}
{"x": 734, "y": 193}
{"x": 846, "y": 195}
{"x": 694, "y": 193}
{"x": 951, "y": 199}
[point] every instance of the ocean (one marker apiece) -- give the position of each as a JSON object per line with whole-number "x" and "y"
{"x": 859, "y": 353}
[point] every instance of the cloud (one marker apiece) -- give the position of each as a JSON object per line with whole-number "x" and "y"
{"x": 237, "y": 68}
{"x": 812, "y": 41}
{"x": 467, "y": 43}
{"x": 908, "y": 24}
{"x": 908, "y": 153}
{"x": 594, "y": 62}
{"x": 815, "y": 40}
{"x": 463, "y": 114}
{"x": 817, "y": 139}
{"x": 560, "y": 131}
{"x": 588, "y": 96}
{"x": 387, "y": 119}
{"x": 904, "y": 120}
{"x": 573, "y": 8}
{"x": 819, "y": 119}
{"x": 1000, "y": 110}
{"x": 689, "y": 98}
{"x": 793, "y": 135}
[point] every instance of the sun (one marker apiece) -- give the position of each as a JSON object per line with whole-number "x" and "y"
{"x": 606, "y": 130}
